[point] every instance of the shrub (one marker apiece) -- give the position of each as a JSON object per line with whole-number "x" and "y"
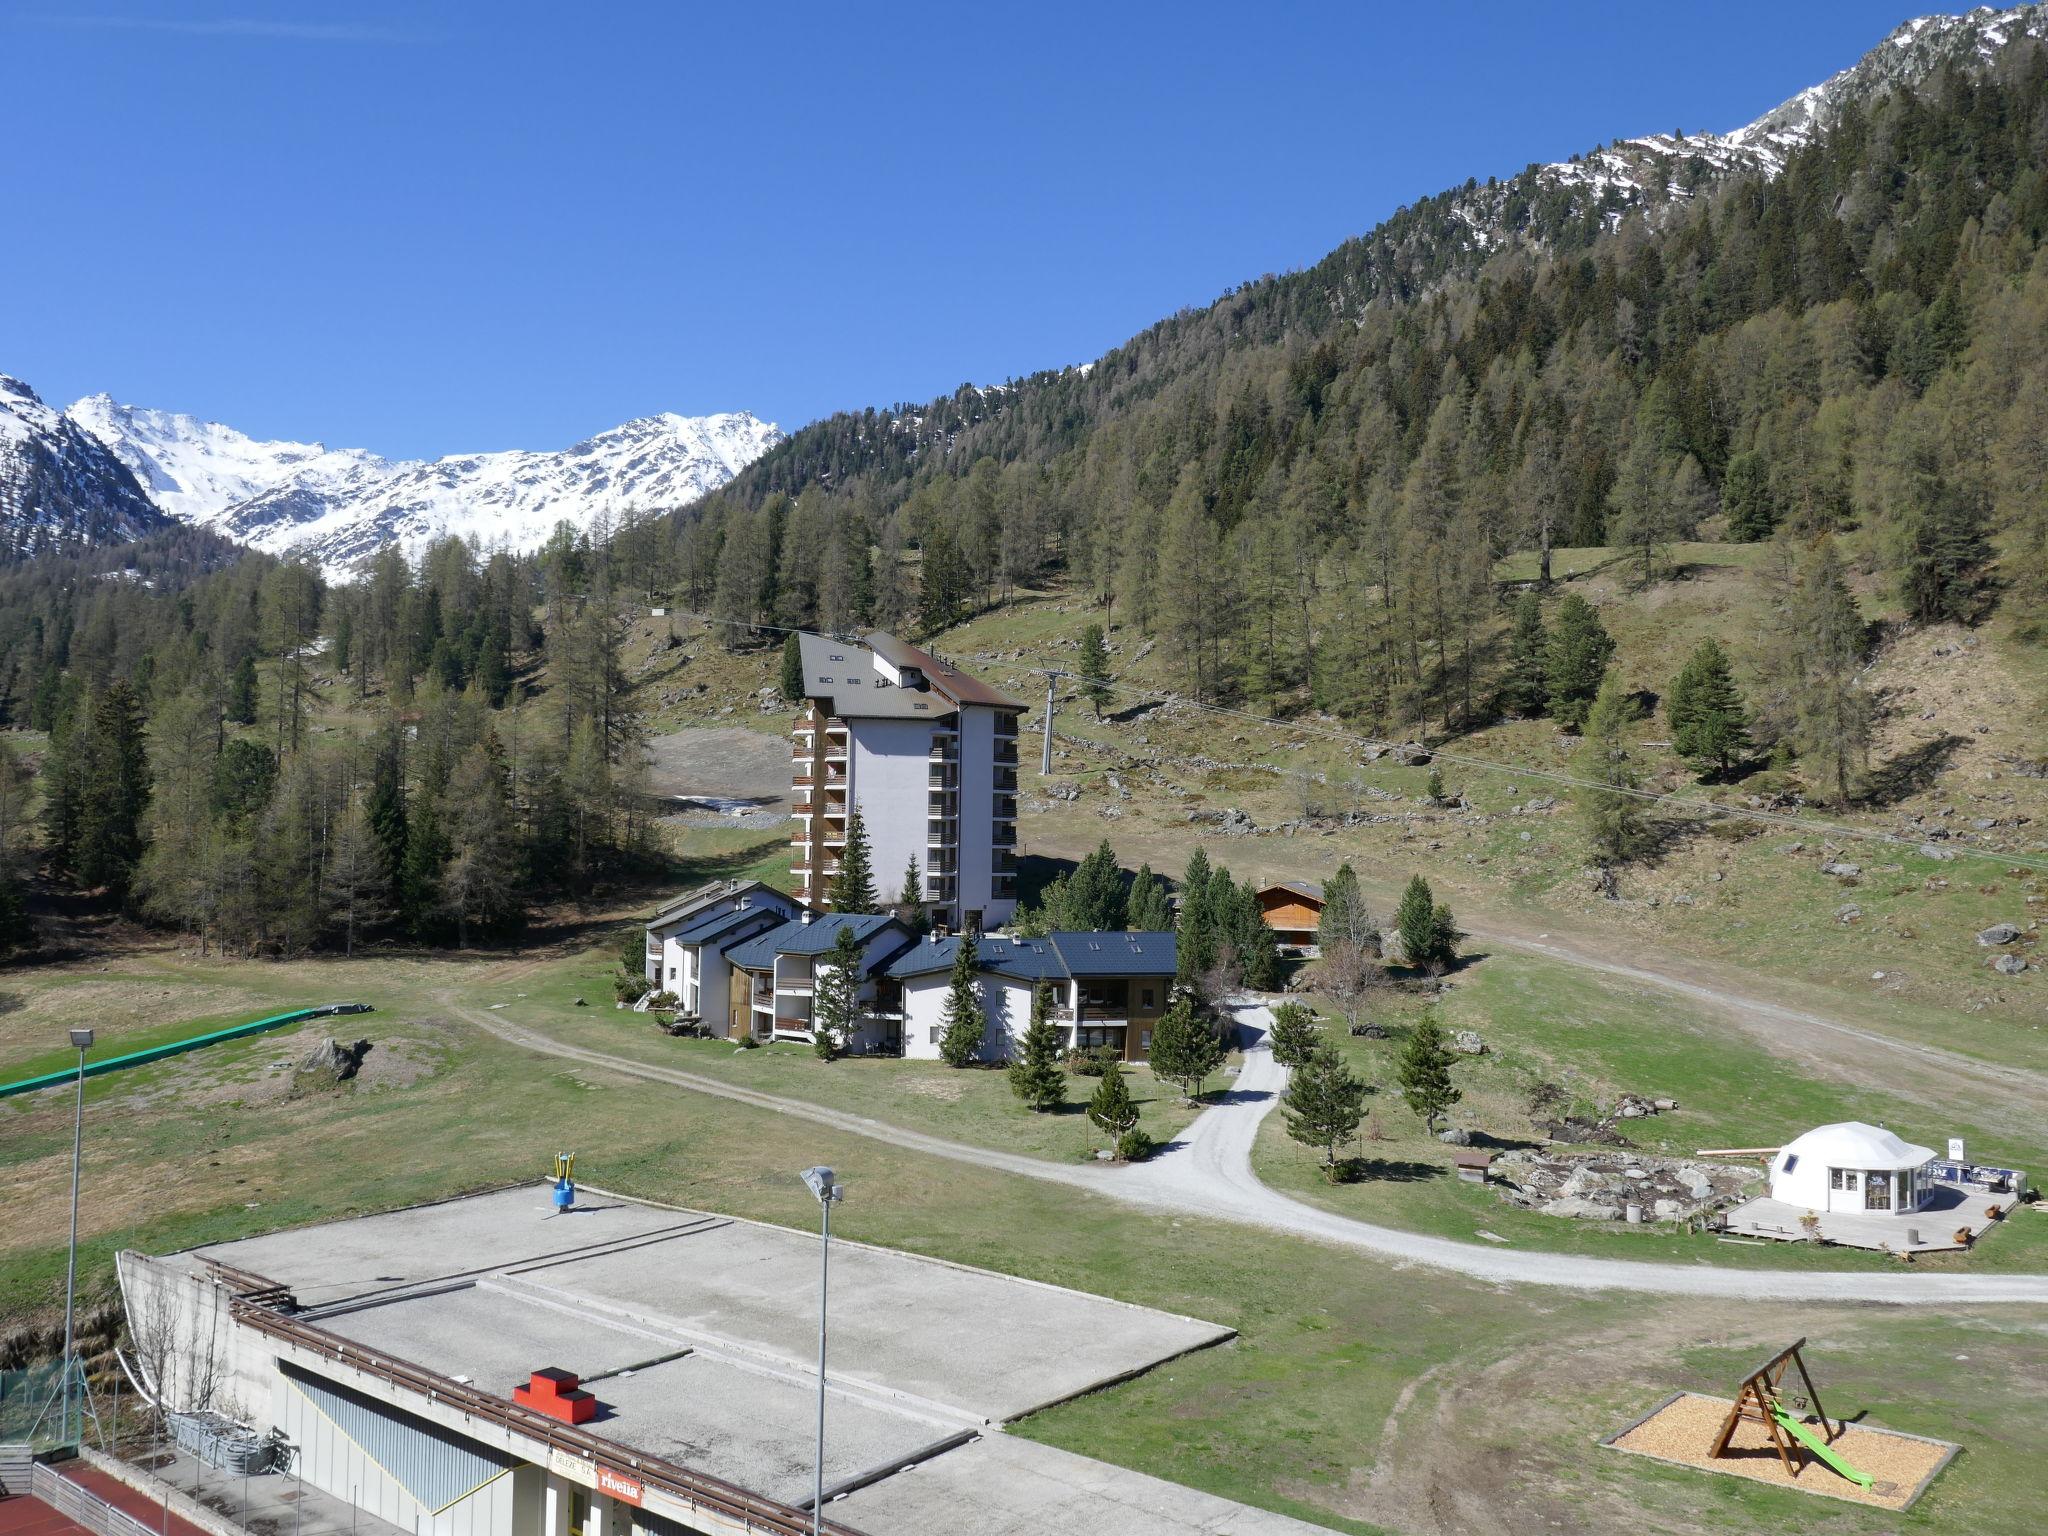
{"x": 1134, "y": 1146}
{"x": 1091, "y": 1060}
{"x": 629, "y": 987}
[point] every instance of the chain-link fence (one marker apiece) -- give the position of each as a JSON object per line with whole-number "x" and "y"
{"x": 32, "y": 1406}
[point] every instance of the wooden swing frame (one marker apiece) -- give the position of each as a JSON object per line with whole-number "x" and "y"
{"x": 1759, "y": 1394}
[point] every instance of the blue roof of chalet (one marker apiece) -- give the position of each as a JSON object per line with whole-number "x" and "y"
{"x": 1024, "y": 959}
{"x": 714, "y": 924}
{"x": 1118, "y": 954}
{"x": 797, "y": 937}
{"x": 1056, "y": 957}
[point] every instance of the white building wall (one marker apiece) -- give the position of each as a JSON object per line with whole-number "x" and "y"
{"x": 889, "y": 763}
{"x": 1006, "y": 1002}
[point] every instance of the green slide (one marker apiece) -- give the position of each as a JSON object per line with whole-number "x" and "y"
{"x": 1819, "y": 1447}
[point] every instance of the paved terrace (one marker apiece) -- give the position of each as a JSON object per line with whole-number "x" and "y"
{"x": 1946, "y": 1210}
{"x": 698, "y": 1335}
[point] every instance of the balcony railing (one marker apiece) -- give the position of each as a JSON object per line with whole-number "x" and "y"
{"x": 1004, "y": 836}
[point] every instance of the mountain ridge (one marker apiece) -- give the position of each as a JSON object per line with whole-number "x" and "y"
{"x": 335, "y": 506}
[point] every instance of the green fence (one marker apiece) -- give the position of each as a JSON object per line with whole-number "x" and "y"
{"x": 177, "y": 1047}
{"x": 32, "y": 1407}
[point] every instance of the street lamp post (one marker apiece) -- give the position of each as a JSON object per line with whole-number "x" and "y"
{"x": 82, "y": 1039}
{"x": 828, "y": 1190}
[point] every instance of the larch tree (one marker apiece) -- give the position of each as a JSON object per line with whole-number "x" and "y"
{"x": 1831, "y": 710}
{"x": 1095, "y": 669}
{"x": 1526, "y": 689}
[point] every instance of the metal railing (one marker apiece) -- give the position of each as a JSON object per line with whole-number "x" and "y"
{"x": 82, "y": 1506}
{"x": 727, "y": 1501}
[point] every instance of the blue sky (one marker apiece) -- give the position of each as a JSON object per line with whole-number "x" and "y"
{"x": 435, "y": 229}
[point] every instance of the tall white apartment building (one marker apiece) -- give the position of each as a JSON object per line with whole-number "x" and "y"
{"x": 929, "y": 756}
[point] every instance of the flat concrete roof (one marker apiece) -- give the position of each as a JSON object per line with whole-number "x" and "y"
{"x": 1000, "y": 1483}
{"x": 698, "y": 1335}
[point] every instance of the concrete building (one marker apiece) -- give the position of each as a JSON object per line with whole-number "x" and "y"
{"x": 687, "y": 939}
{"x": 929, "y": 757}
{"x": 1108, "y": 989}
{"x": 775, "y": 978}
{"x": 484, "y": 1367}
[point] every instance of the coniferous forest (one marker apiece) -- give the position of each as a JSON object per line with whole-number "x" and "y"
{"x": 1301, "y": 491}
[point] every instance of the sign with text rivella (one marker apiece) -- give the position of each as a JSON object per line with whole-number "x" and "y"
{"x": 618, "y": 1485}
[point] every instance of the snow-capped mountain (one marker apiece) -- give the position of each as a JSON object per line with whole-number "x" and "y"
{"x": 337, "y": 505}
{"x": 195, "y": 470}
{"x": 1661, "y": 168}
{"x": 59, "y": 485}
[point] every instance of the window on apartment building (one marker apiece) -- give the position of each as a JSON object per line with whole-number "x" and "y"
{"x": 1145, "y": 1040}
{"x": 671, "y": 973}
{"x": 937, "y": 1032}
{"x": 1146, "y": 994}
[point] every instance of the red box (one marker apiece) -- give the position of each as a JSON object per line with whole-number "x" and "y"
{"x": 555, "y": 1393}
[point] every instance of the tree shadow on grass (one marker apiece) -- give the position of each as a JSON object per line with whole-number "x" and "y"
{"x": 1913, "y": 771}
{"x": 1386, "y": 1170}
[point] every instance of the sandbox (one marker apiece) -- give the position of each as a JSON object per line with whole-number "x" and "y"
{"x": 1681, "y": 1430}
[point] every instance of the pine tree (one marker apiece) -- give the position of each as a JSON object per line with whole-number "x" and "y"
{"x": 1147, "y": 909}
{"x": 241, "y": 700}
{"x": 1197, "y": 944}
{"x": 1186, "y": 1048}
{"x": 910, "y": 896}
{"x": 791, "y": 685}
{"x": 1323, "y": 1105}
{"x": 1112, "y": 1108}
{"x": 1095, "y": 668}
{"x": 1709, "y": 725}
{"x": 1253, "y": 939}
{"x": 853, "y": 887}
{"x": 1424, "y": 1070}
{"x": 1415, "y": 921}
{"x": 1747, "y": 499}
{"x": 1035, "y": 1075}
{"x": 836, "y": 1003}
{"x": 1576, "y": 660}
{"x": 963, "y": 1024}
{"x": 1613, "y": 812}
{"x": 1294, "y": 1036}
{"x": 1091, "y": 898}
{"x": 113, "y": 791}
{"x": 1524, "y": 691}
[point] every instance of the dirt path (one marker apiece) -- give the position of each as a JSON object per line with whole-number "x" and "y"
{"x": 1207, "y": 1171}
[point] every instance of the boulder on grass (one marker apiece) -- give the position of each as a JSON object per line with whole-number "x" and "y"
{"x": 1998, "y": 933}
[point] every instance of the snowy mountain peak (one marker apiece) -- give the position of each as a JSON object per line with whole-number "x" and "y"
{"x": 1659, "y": 169}
{"x": 58, "y": 483}
{"x": 338, "y": 505}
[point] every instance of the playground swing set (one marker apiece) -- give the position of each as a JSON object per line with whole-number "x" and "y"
{"x": 1760, "y": 1401}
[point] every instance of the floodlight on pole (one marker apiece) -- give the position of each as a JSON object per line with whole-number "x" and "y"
{"x": 824, "y": 1184}
{"x": 81, "y": 1039}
